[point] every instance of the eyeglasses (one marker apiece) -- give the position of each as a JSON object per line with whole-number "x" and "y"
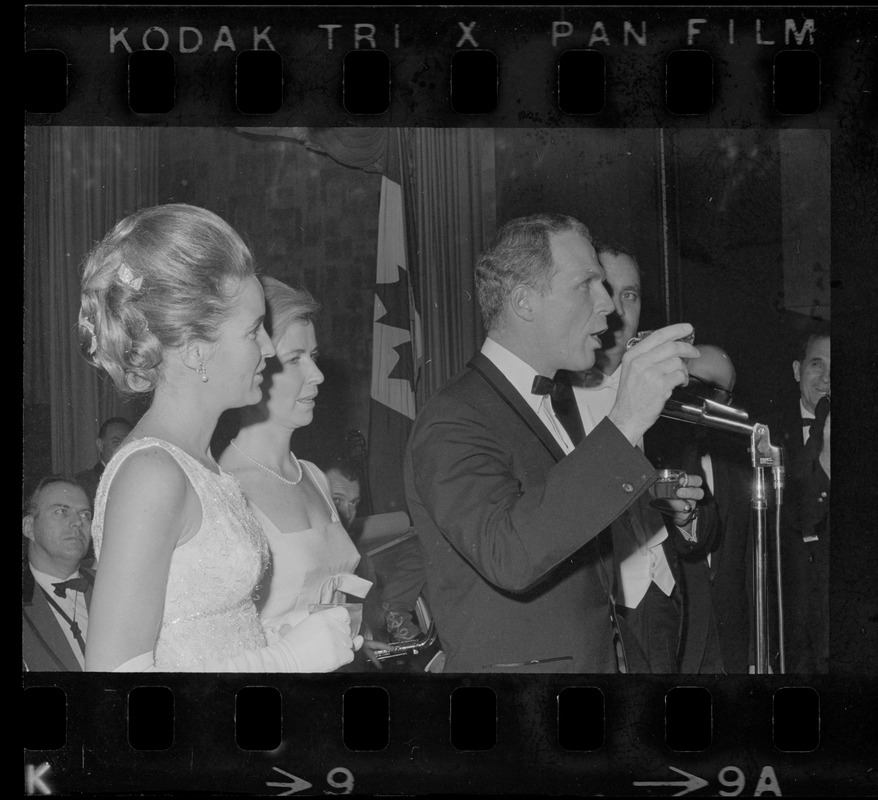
{"x": 708, "y": 391}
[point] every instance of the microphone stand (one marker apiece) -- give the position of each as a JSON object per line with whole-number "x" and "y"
{"x": 708, "y": 413}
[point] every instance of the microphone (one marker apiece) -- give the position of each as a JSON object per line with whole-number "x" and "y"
{"x": 686, "y": 406}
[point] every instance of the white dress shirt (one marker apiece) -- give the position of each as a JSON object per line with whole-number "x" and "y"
{"x": 637, "y": 535}
{"x": 73, "y": 605}
{"x": 521, "y": 375}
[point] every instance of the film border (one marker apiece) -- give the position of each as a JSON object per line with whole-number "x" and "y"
{"x": 419, "y": 758}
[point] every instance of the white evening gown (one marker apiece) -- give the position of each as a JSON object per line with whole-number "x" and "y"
{"x": 307, "y": 567}
{"x": 209, "y": 608}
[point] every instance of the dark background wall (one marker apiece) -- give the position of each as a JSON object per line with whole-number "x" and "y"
{"x": 309, "y": 222}
{"x": 720, "y": 197}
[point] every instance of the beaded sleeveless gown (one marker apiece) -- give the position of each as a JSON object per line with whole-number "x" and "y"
{"x": 209, "y": 610}
{"x": 307, "y": 567}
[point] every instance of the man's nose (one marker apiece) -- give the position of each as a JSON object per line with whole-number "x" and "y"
{"x": 605, "y": 304}
{"x": 265, "y": 343}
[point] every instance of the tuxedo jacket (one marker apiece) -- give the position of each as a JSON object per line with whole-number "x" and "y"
{"x": 806, "y": 507}
{"x": 44, "y": 646}
{"x": 517, "y": 576}
{"x": 717, "y": 620}
{"x": 804, "y": 558}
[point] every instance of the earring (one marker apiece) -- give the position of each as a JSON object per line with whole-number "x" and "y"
{"x": 202, "y": 372}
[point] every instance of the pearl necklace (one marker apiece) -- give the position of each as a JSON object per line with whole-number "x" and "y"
{"x": 269, "y": 469}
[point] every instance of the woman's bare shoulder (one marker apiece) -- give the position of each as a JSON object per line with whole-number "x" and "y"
{"x": 149, "y": 478}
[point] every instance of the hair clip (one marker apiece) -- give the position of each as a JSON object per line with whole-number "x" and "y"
{"x": 127, "y": 277}
{"x": 93, "y": 345}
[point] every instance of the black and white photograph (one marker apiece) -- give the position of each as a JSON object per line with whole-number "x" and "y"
{"x": 454, "y": 440}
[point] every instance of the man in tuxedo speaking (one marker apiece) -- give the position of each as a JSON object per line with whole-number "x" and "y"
{"x": 56, "y": 590}
{"x": 506, "y": 493}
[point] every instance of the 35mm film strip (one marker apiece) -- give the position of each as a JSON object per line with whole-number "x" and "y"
{"x": 549, "y": 72}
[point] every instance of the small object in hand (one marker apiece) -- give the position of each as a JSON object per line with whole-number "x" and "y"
{"x": 690, "y": 339}
{"x": 664, "y": 490}
{"x": 669, "y": 480}
{"x": 354, "y": 609}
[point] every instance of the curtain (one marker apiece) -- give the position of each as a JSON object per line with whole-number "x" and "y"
{"x": 79, "y": 182}
{"x": 451, "y": 202}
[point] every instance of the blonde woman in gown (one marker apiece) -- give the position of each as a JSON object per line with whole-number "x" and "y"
{"x": 313, "y": 558}
{"x": 171, "y": 307}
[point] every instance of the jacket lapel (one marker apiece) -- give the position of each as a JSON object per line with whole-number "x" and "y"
{"x": 48, "y": 631}
{"x": 89, "y": 575}
{"x": 486, "y": 369}
{"x": 603, "y": 544}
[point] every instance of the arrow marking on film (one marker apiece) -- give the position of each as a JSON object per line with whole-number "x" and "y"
{"x": 294, "y": 785}
{"x": 691, "y": 784}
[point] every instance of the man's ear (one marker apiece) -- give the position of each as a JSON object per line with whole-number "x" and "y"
{"x": 520, "y": 301}
{"x": 27, "y": 527}
{"x": 797, "y": 367}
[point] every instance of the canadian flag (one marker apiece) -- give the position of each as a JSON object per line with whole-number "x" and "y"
{"x": 396, "y": 353}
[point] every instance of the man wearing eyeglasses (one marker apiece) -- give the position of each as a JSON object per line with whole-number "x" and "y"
{"x": 56, "y": 589}
{"x": 650, "y": 594}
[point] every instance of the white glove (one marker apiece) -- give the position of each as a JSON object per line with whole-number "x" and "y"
{"x": 319, "y": 643}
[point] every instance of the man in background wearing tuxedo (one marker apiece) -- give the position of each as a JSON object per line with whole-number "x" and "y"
{"x": 805, "y": 434}
{"x": 665, "y": 624}
{"x": 717, "y": 568}
{"x": 56, "y": 590}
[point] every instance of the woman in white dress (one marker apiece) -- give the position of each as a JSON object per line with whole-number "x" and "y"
{"x": 312, "y": 557}
{"x": 171, "y": 307}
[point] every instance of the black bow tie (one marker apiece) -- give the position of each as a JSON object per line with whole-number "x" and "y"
{"x": 563, "y": 403}
{"x": 821, "y": 411}
{"x": 79, "y": 584}
{"x": 544, "y": 385}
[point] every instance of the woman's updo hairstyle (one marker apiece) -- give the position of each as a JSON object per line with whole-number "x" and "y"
{"x": 163, "y": 277}
{"x": 284, "y": 306}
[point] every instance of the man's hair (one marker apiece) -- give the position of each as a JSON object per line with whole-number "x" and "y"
{"x": 616, "y": 250}
{"x": 519, "y": 253}
{"x": 348, "y": 469}
{"x": 33, "y": 499}
{"x": 114, "y": 421}
{"x": 820, "y": 332}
